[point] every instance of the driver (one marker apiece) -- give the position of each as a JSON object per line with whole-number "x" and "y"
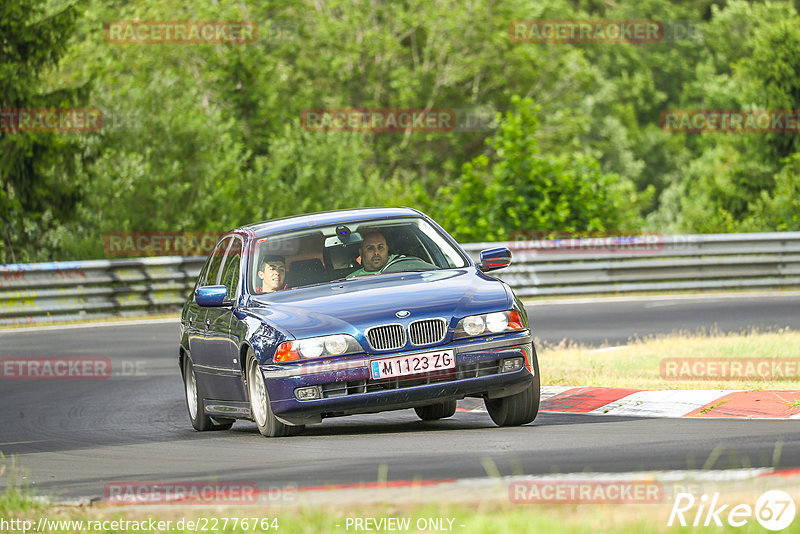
{"x": 375, "y": 257}
{"x": 374, "y": 254}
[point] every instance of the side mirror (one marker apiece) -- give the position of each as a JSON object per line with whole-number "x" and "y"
{"x": 211, "y": 296}
{"x": 494, "y": 258}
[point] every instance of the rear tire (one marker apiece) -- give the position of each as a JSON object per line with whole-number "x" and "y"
{"x": 440, "y": 410}
{"x": 519, "y": 409}
{"x": 260, "y": 407}
{"x": 194, "y": 402}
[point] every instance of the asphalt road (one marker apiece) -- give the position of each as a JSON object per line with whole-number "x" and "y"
{"x": 74, "y": 437}
{"x": 615, "y": 321}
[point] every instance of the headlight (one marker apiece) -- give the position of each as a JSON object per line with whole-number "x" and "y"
{"x": 489, "y": 323}
{"x": 496, "y": 322}
{"x": 474, "y": 325}
{"x": 310, "y": 348}
{"x": 317, "y": 347}
{"x": 336, "y": 344}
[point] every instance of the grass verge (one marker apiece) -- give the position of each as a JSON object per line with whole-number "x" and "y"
{"x": 638, "y": 363}
{"x": 483, "y": 517}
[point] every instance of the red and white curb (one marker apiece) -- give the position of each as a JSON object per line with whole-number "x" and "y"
{"x": 767, "y": 404}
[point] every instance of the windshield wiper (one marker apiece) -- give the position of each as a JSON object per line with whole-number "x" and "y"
{"x": 350, "y": 278}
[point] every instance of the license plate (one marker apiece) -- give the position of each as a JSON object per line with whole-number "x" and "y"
{"x": 413, "y": 364}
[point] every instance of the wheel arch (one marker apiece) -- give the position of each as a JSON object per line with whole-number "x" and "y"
{"x": 182, "y": 354}
{"x": 243, "y": 350}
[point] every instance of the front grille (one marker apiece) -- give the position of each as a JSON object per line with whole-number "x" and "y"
{"x": 427, "y": 331}
{"x": 354, "y": 387}
{"x": 388, "y": 337}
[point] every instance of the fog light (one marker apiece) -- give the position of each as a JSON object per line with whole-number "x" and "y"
{"x": 511, "y": 364}
{"x": 307, "y": 393}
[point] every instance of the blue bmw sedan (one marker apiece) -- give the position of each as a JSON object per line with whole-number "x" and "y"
{"x": 349, "y": 312}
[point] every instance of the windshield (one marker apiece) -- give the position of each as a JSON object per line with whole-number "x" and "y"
{"x": 357, "y": 249}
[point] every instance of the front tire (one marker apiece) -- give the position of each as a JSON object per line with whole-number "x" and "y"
{"x": 440, "y": 410}
{"x": 260, "y": 407}
{"x": 194, "y": 402}
{"x": 519, "y": 409}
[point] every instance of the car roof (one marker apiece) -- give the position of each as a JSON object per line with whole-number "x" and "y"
{"x": 325, "y": 218}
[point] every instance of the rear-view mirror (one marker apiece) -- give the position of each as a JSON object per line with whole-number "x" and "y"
{"x": 342, "y": 239}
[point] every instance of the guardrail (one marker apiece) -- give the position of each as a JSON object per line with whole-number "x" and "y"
{"x": 46, "y": 292}
{"x": 63, "y": 291}
{"x": 651, "y": 263}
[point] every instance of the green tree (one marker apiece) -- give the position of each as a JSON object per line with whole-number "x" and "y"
{"x": 314, "y": 171}
{"x": 206, "y": 137}
{"x": 518, "y": 188}
{"x": 37, "y": 193}
{"x": 740, "y": 182}
{"x": 779, "y": 209}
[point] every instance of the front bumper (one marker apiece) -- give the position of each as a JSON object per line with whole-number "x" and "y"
{"x": 347, "y": 388}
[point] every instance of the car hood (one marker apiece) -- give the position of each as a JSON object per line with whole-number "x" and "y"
{"x": 354, "y": 305}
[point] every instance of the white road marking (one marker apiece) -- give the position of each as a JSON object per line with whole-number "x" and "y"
{"x": 610, "y": 349}
{"x": 137, "y": 322}
{"x": 660, "y": 403}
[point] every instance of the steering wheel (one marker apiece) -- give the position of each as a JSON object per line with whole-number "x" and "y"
{"x": 398, "y": 261}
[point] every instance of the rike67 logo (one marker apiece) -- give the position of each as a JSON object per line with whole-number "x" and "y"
{"x": 774, "y": 510}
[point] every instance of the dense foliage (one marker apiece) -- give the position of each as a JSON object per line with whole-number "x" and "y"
{"x": 38, "y": 190}
{"x": 205, "y": 137}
